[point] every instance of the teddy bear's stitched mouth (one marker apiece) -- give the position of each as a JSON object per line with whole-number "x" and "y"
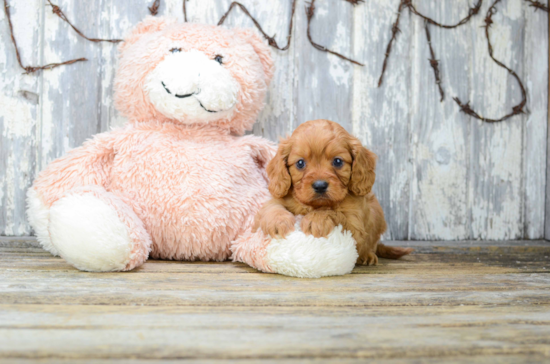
{"x": 200, "y": 103}
{"x": 186, "y": 95}
{"x": 178, "y": 96}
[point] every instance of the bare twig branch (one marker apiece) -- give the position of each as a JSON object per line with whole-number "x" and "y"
{"x": 538, "y": 5}
{"x": 154, "y": 8}
{"x": 185, "y": 10}
{"x": 518, "y": 109}
{"x": 394, "y": 31}
{"x": 355, "y": 2}
{"x": 32, "y": 69}
{"x": 310, "y": 11}
{"x": 434, "y": 62}
{"x": 57, "y": 11}
{"x": 270, "y": 40}
{"x": 471, "y": 12}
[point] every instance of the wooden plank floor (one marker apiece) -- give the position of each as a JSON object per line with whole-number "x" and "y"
{"x": 449, "y": 302}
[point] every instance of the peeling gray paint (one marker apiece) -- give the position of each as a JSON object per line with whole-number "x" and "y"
{"x": 441, "y": 174}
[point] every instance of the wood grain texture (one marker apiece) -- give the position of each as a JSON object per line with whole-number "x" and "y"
{"x": 496, "y": 149}
{"x": 165, "y": 333}
{"x": 439, "y": 133}
{"x": 19, "y": 113}
{"x": 535, "y": 132}
{"x": 547, "y": 214}
{"x": 449, "y": 302}
{"x": 70, "y": 112}
{"x": 322, "y": 82}
{"x": 381, "y": 116}
{"x": 532, "y": 358}
{"x": 441, "y": 174}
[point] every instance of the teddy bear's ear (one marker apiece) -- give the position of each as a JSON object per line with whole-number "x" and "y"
{"x": 150, "y": 24}
{"x": 262, "y": 50}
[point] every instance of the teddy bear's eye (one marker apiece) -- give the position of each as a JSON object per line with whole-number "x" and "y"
{"x": 175, "y": 50}
{"x": 218, "y": 59}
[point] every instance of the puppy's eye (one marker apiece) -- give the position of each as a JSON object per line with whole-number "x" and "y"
{"x": 337, "y": 162}
{"x": 301, "y": 164}
{"x": 218, "y": 59}
{"x": 175, "y": 50}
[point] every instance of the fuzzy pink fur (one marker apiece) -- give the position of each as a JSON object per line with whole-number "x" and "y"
{"x": 191, "y": 190}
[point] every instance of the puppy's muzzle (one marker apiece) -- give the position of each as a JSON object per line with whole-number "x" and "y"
{"x": 320, "y": 187}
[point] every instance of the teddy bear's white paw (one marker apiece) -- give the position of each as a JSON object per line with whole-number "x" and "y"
{"x": 88, "y": 234}
{"x": 39, "y": 215}
{"x": 304, "y": 256}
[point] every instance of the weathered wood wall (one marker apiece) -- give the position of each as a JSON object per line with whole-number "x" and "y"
{"x": 441, "y": 174}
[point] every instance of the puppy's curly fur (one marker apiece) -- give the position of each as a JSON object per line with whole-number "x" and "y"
{"x": 325, "y": 174}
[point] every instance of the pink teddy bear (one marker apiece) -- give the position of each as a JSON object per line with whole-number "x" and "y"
{"x": 179, "y": 181}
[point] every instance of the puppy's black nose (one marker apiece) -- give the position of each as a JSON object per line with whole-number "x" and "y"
{"x": 320, "y": 186}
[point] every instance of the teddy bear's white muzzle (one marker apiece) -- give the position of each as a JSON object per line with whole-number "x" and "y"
{"x": 192, "y": 88}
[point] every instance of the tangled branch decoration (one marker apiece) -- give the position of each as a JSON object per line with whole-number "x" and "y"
{"x": 434, "y": 63}
{"x": 153, "y": 10}
{"x": 310, "y": 13}
{"x": 518, "y": 109}
{"x": 395, "y": 29}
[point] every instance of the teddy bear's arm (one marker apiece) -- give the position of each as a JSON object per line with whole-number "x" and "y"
{"x": 89, "y": 164}
{"x": 261, "y": 150}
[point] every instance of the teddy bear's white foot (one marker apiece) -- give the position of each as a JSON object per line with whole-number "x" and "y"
{"x": 95, "y": 231}
{"x": 39, "y": 217}
{"x": 301, "y": 255}
{"x": 298, "y": 254}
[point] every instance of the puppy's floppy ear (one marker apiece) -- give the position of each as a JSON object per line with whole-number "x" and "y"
{"x": 362, "y": 169}
{"x": 277, "y": 171}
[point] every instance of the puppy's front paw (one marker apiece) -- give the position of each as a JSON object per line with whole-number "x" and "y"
{"x": 279, "y": 225}
{"x": 369, "y": 258}
{"x": 317, "y": 224}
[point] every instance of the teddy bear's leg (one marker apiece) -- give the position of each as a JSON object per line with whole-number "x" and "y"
{"x": 298, "y": 254}
{"x": 96, "y": 231}
{"x": 251, "y": 248}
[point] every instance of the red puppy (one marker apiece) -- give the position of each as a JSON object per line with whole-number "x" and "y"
{"x": 325, "y": 174}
